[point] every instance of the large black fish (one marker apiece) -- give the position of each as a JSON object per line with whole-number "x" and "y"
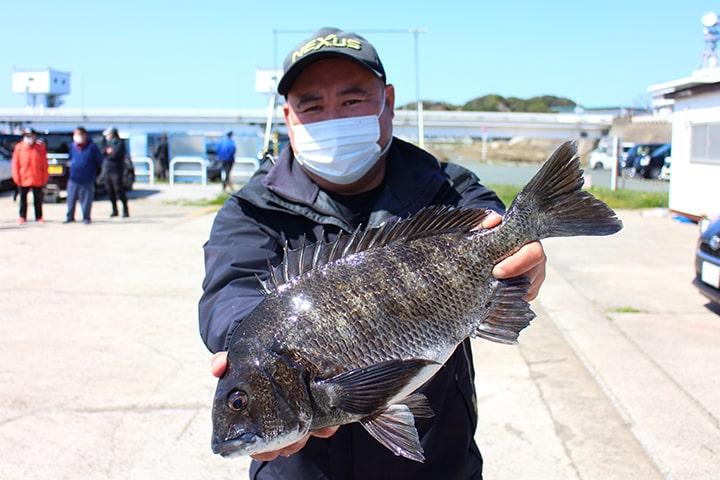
{"x": 349, "y": 330}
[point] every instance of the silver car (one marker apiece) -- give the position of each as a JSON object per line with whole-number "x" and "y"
{"x": 6, "y": 182}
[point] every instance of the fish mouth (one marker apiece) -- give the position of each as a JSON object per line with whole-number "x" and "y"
{"x": 242, "y": 445}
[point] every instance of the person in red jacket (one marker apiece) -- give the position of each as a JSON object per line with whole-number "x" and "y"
{"x": 30, "y": 172}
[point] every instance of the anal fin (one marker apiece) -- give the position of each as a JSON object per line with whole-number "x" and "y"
{"x": 509, "y": 313}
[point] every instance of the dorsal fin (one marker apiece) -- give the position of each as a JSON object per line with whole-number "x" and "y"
{"x": 432, "y": 220}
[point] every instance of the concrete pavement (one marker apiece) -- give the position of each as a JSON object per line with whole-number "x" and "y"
{"x": 103, "y": 373}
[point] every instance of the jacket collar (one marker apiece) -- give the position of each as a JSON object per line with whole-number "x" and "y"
{"x": 413, "y": 178}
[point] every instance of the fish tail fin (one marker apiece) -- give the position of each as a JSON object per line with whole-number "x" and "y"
{"x": 555, "y": 199}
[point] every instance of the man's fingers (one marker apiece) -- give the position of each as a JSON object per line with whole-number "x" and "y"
{"x": 492, "y": 220}
{"x": 295, "y": 447}
{"x": 521, "y": 262}
{"x": 529, "y": 260}
{"x": 326, "y": 432}
{"x": 283, "y": 452}
{"x": 218, "y": 364}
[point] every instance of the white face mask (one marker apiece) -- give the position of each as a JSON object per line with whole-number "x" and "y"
{"x": 29, "y": 140}
{"x": 78, "y": 139}
{"x": 340, "y": 150}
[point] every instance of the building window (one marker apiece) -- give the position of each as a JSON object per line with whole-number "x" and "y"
{"x": 705, "y": 147}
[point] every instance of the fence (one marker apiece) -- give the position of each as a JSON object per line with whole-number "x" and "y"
{"x": 144, "y": 167}
{"x": 191, "y": 168}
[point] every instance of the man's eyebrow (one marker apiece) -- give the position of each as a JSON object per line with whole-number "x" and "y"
{"x": 314, "y": 97}
{"x": 308, "y": 98}
{"x": 355, "y": 90}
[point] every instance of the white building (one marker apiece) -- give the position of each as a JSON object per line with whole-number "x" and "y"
{"x": 695, "y": 105}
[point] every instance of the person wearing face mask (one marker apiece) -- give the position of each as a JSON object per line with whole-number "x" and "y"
{"x": 85, "y": 163}
{"x": 30, "y": 172}
{"x": 114, "y": 170}
{"x": 343, "y": 168}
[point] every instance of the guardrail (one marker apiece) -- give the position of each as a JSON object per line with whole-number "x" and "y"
{"x": 243, "y": 173}
{"x": 198, "y": 169}
{"x": 144, "y": 167}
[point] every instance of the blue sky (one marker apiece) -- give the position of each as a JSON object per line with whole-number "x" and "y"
{"x": 145, "y": 54}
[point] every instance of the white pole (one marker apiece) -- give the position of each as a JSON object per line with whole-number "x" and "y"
{"x": 421, "y": 126}
{"x": 614, "y": 169}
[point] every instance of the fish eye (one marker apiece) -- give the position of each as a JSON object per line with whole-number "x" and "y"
{"x": 237, "y": 400}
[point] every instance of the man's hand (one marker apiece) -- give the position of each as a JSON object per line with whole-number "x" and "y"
{"x": 218, "y": 364}
{"x": 529, "y": 260}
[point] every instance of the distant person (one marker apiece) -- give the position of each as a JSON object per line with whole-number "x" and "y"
{"x": 160, "y": 154}
{"x": 114, "y": 170}
{"x": 30, "y": 172}
{"x": 85, "y": 163}
{"x": 226, "y": 154}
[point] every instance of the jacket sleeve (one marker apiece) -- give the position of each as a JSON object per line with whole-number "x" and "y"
{"x": 117, "y": 155}
{"x": 16, "y": 165}
{"x": 236, "y": 252}
{"x": 44, "y": 174}
{"x": 97, "y": 157}
{"x": 472, "y": 193}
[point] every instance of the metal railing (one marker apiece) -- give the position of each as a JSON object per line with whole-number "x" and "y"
{"x": 144, "y": 167}
{"x": 197, "y": 170}
{"x": 247, "y": 167}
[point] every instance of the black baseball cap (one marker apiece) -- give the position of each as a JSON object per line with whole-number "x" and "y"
{"x": 325, "y": 43}
{"x": 27, "y": 131}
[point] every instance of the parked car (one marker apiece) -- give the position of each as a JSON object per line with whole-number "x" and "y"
{"x": 602, "y": 157}
{"x": 6, "y": 181}
{"x": 665, "y": 170}
{"x": 214, "y": 166}
{"x": 707, "y": 261}
{"x": 631, "y": 163}
{"x": 650, "y": 165}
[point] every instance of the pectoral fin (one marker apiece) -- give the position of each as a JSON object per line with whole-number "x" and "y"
{"x": 367, "y": 390}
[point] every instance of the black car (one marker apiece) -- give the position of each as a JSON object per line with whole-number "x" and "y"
{"x": 650, "y": 165}
{"x": 707, "y": 262}
{"x": 58, "y": 148}
{"x": 631, "y": 163}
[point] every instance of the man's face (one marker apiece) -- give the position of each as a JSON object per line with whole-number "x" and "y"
{"x": 338, "y": 88}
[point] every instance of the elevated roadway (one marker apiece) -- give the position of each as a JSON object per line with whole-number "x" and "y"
{"x": 436, "y": 124}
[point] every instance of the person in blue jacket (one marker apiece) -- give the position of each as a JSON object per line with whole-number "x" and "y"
{"x": 343, "y": 168}
{"x": 226, "y": 154}
{"x": 85, "y": 163}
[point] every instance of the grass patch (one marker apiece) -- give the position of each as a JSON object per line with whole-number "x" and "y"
{"x": 218, "y": 201}
{"x": 626, "y": 310}
{"x": 617, "y": 199}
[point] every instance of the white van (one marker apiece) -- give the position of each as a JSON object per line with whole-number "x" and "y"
{"x": 602, "y": 157}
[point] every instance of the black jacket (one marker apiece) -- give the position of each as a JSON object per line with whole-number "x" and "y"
{"x": 281, "y": 204}
{"x": 115, "y": 160}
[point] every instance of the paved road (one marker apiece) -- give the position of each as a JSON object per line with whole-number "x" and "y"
{"x": 495, "y": 174}
{"x": 103, "y": 374}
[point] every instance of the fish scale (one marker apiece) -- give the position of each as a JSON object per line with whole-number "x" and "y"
{"x": 413, "y": 325}
{"x": 349, "y": 330}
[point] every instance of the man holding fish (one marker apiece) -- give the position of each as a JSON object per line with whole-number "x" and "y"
{"x": 344, "y": 169}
